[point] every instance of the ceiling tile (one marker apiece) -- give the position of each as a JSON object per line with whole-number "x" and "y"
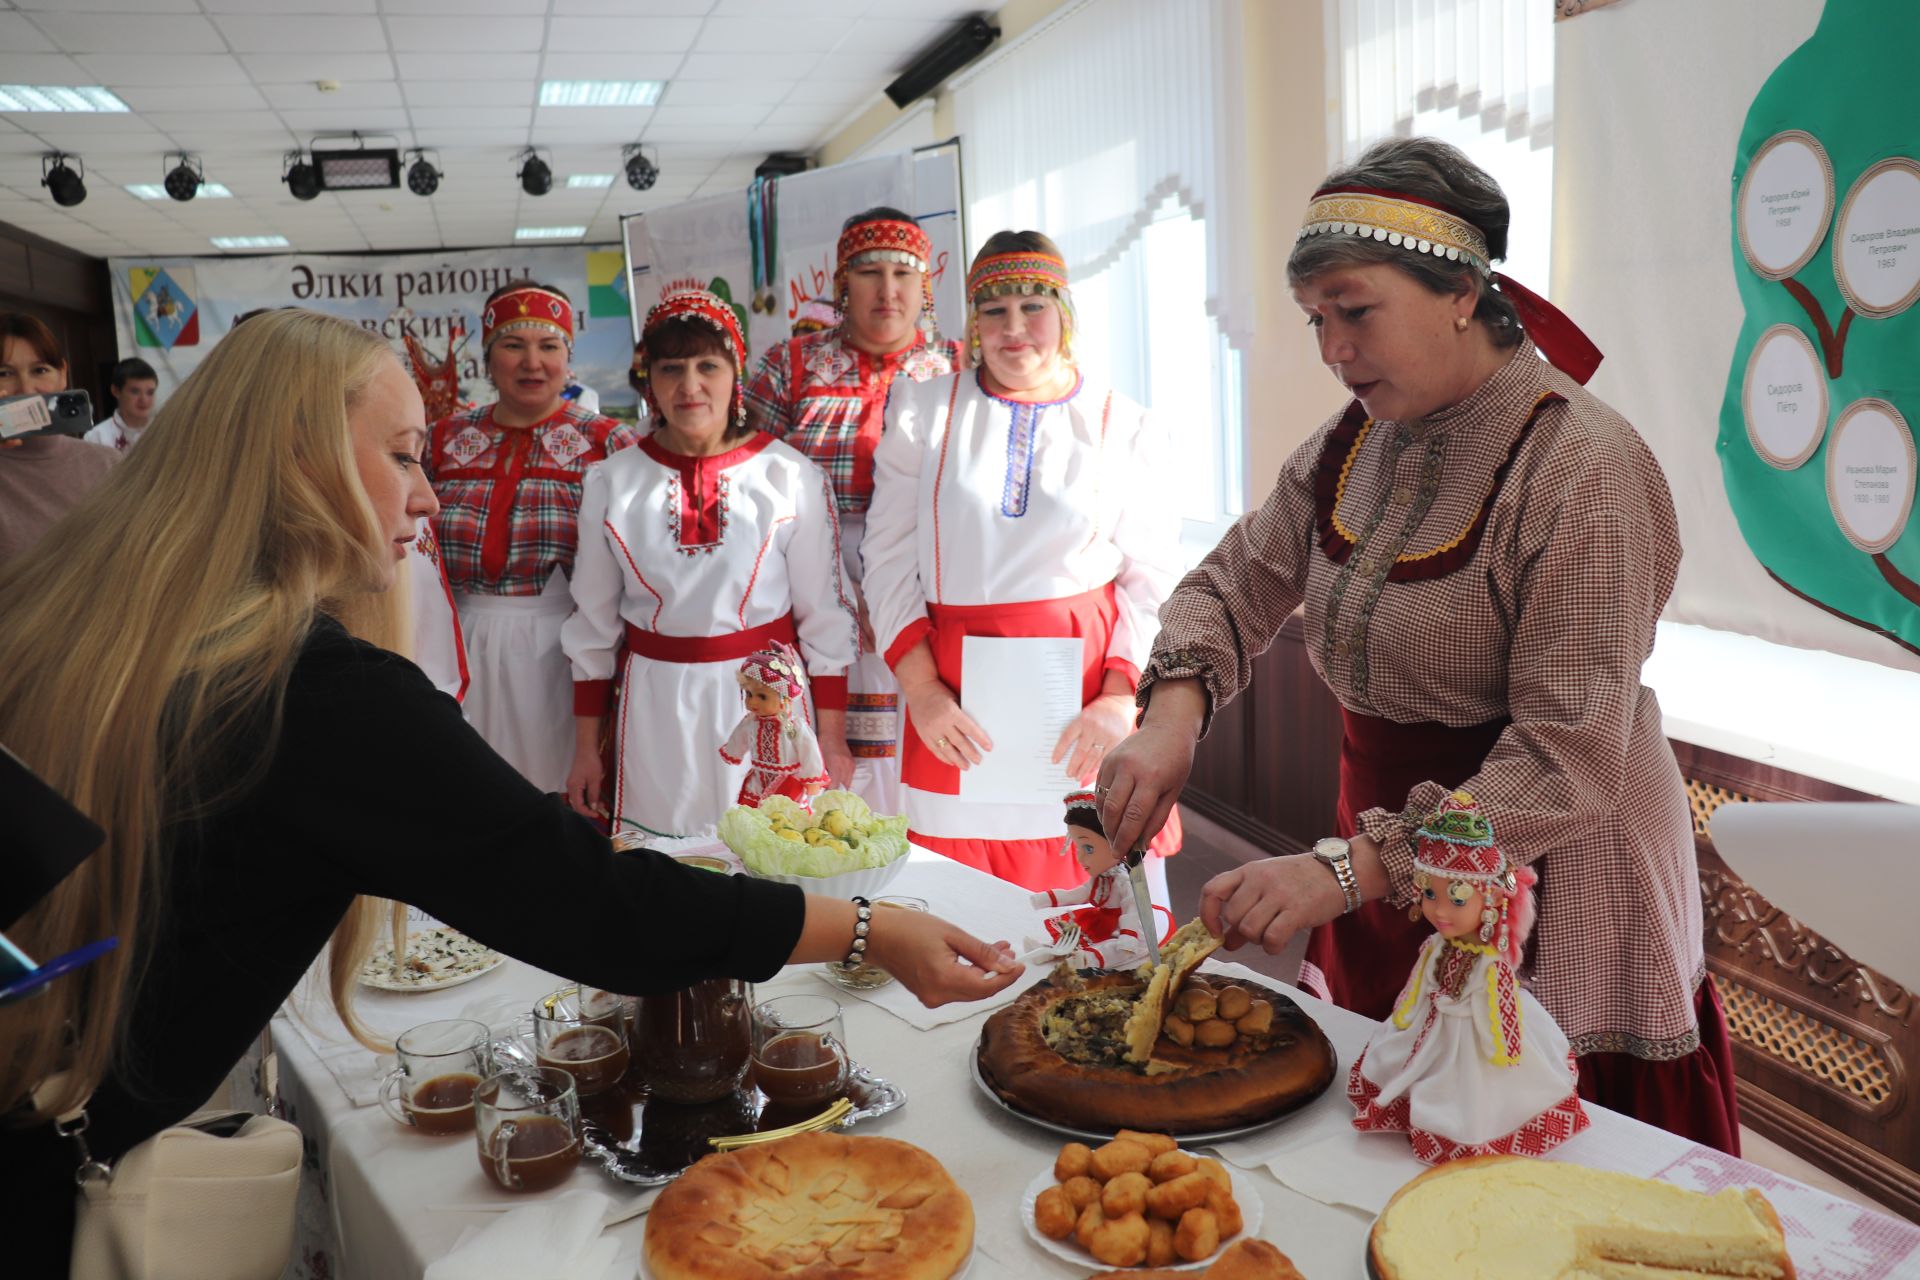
{"x": 506, "y": 141}
{"x": 565, "y": 126}
{"x": 746, "y": 66}
{"x": 353, "y": 95}
{"x": 109, "y": 126}
{"x": 469, "y": 93}
{"x": 829, "y": 91}
{"x": 621, "y": 35}
{"x": 771, "y": 35}
{"x": 634, "y": 8}
{"x": 289, "y": 68}
{"x": 17, "y": 35}
{"x": 108, "y": 6}
{"x": 40, "y": 68}
{"x": 739, "y": 116}
{"x": 426, "y": 119}
{"x": 283, "y": 34}
{"x": 438, "y": 36}
{"x": 288, "y": 6}
{"x": 176, "y": 122}
{"x": 785, "y": 8}
{"x": 470, "y": 66}
{"x": 117, "y": 69}
{"x": 704, "y": 93}
{"x": 146, "y": 34}
{"x": 217, "y": 97}
{"x": 899, "y": 41}
{"x": 365, "y": 119}
{"x": 808, "y": 115}
{"x": 467, "y": 8}
{"x": 611, "y": 66}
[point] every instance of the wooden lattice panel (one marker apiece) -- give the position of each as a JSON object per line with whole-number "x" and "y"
{"x": 1843, "y": 1063}
{"x": 1703, "y": 798}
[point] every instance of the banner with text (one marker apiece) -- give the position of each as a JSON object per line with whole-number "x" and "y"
{"x": 170, "y": 311}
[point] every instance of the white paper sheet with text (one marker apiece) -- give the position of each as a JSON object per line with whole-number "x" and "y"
{"x": 1023, "y": 691}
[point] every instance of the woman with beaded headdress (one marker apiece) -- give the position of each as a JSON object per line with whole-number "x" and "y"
{"x": 1018, "y": 499}
{"x": 508, "y": 476}
{"x": 1483, "y": 549}
{"x": 825, "y": 393}
{"x": 707, "y": 545}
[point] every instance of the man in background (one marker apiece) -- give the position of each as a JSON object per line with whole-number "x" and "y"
{"x": 135, "y": 386}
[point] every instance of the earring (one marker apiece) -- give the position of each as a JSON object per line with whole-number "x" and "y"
{"x": 1460, "y": 324}
{"x": 1486, "y": 925}
{"x": 1501, "y": 946}
{"x": 1413, "y": 913}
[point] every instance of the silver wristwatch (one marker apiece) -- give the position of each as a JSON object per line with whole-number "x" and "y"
{"x": 1337, "y": 854}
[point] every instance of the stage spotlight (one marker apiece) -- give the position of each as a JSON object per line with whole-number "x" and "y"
{"x": 422, "y": 178}
{"x": 536, "y": 175}
{"x": 183, "y": 180}
{"x": 642, "y": 172}
{"x": 301, "y": 176}
{"x": 67, "y": 187}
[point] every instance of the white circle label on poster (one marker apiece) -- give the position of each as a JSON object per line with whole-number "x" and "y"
{"x": 1786, "y": 203}
{"x": 1870, "y": 473}
{"x": 1784, "y": 397}
{"x": 1876, "y": 252}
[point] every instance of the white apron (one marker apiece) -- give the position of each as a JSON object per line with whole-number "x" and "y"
{"x": 520, "y": 697}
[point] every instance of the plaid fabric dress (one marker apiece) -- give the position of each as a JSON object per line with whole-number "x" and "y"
{"x": 1505, "y": 559}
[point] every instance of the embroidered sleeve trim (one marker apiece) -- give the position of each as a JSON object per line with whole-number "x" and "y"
{"x": 909, "y": 636}
{"x": 830, "y": 693}
{"x": 592, "y": 697}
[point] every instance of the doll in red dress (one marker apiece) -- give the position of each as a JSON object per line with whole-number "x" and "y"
{"x": 774, "y": 739}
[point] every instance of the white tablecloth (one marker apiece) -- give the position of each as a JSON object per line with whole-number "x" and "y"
{"x": 397, "y": 1201}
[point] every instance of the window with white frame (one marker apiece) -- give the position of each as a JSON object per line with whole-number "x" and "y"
{"x": 1144, "y": 328}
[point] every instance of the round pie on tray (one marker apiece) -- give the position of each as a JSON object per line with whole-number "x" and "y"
{"x": 808, "y": 1207}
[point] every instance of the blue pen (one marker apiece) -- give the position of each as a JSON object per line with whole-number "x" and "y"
{"x": 30, "y": 982}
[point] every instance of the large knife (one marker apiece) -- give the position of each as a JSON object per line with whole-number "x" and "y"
{"x": 1143, "y": 903}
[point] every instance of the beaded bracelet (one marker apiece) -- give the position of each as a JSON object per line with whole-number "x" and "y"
{"x": 864, "y": 922}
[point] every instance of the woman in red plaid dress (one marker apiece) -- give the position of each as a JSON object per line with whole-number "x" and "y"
{"x": 1483, "y": 549}
{"x": 508, "y": 476}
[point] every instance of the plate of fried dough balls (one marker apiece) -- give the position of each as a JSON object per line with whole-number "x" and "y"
{"x": 1139, "y": 1201}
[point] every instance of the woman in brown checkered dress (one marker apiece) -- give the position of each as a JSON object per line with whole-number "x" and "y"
{"x": 1482, "y": 549}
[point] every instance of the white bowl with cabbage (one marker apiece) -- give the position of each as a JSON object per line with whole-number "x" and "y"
{"x": 842, "y": 848}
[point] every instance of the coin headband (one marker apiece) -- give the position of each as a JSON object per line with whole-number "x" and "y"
{"x": 1402, "y": 221}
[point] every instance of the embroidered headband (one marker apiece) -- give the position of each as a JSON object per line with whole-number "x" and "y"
{"x": 777, "y": 668}
{"x": 1027, "y": 272}
{"x": 529, "y": 308}
{"x": 887, "y": 240}
{"x": 1420, "y": 226}
{"x": 685, "y": 300}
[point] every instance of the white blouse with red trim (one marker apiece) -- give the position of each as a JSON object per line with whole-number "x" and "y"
{"x": 980, "y": 501}
{"x": 701, "y": 547}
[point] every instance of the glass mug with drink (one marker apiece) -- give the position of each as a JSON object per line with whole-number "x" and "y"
{"x": 440, "y": 1065}
{"x": 866, "y": 976}
{"x": 590, "y": 1043}
{"x": 527, "y": 1124}
{"x": 799, "y": 1052}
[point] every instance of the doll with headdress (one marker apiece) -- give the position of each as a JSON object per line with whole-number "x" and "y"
{"x": 774, "y": 739}
{"x": 1109, "y": 925}
{"x": 1469, "y": 1063}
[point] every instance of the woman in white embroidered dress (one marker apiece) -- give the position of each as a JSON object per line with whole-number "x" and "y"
{"x": 700, "y": 547}
{"x": 1018, "y": 499}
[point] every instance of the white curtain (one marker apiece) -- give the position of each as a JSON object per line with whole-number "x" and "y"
{"x": 1082, "y": 129}
{"x": 1491, "y": 59}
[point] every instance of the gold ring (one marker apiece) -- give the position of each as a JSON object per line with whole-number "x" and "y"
{"x": 941, "y": 742}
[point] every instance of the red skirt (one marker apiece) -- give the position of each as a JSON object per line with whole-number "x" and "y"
{"x": 1041, "y": 863}
{"x": 1364, "y": 957}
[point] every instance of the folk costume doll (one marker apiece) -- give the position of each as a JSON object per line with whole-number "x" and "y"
{"x": 707, "y": 545}
{"x": 773, "y": 739}
{"x": 1108, "y": 921}
{"x": 1468, "y": 1064}
{"x": 509, "y": 476}
{"x": 825, "y": 393}
{"x": 1021, "y": 498}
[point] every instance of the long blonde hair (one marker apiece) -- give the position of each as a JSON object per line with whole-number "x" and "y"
{"x": 159, "y": 622}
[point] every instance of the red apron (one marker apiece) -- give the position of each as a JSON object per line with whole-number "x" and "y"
{"x": 1037, "y": 864}
{"x": 1365, "y": 957}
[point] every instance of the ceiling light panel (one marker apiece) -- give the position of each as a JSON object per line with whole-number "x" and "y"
{"x": 548, "y": 233}
{"x": 251, "y": 242}
{"x": 589, "y": 180}
{"x": 600, "y": 93}
{"x": 154, "y": 191}
{"x": 55, "y": 97}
